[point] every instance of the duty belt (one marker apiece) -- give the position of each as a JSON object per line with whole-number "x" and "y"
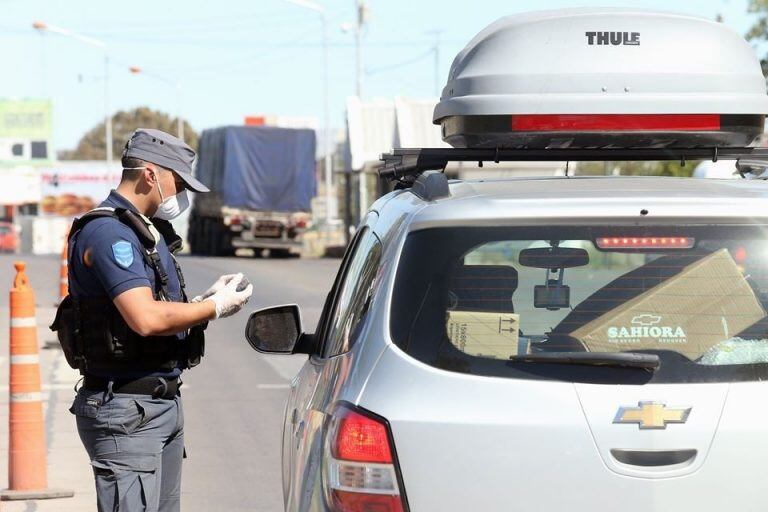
{"x": 157, "y": 387}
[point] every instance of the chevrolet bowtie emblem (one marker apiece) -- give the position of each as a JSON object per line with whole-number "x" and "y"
{"x": 651, "y": 415}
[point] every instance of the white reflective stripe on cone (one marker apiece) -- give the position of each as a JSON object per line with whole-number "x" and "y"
{"x": 25, "y": 359}
{"x": 64, "y": 280}
{"x": 27, "y": 397}
{"x": 24, "y": 321}
{"x": 63, "y": 262}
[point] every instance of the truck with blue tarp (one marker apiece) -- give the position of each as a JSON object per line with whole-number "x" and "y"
{"x": 262, "y": 181}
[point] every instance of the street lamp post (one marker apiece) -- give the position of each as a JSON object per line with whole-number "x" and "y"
{"x": 44, "y": 27}
{"x": 176, "y": 84}
{"x": 330, "y": 213}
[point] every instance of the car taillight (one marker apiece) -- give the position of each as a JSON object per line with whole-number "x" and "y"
{"x": 645, "y": 242}
{"x": 299, "y": 220}
{"x": 361, "y": 469}
{"x": 615, "y": 122}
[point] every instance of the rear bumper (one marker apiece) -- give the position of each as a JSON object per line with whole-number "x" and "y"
{"x": 266, "y": 243}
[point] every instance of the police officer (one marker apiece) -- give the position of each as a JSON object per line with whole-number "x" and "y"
{"x": 130, "y": 330}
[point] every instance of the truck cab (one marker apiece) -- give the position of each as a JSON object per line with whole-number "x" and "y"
{"x": 262, "y": 180}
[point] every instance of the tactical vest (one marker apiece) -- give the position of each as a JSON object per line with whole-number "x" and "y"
{"x": 91, "y": 331}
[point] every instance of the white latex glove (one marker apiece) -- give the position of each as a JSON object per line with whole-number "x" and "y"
{"x": 218, "y": 285}
{"x": 228, "y": 300}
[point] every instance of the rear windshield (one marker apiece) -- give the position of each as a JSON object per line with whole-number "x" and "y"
{"x": 488, "y": 301}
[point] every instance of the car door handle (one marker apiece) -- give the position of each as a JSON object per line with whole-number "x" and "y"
{"x": 300, "y": 429}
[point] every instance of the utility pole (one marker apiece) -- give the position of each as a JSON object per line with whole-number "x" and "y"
{"x": 44, "y": 27}
{"x": 436, "y": 54}
{"x": 362, "y": 13}
{"x": 330, "y": 209}
{"x": 108, "y": 119}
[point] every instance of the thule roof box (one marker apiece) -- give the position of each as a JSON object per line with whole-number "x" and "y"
{"x": 593, "y": 78}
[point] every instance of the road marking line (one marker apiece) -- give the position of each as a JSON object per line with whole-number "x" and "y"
{"x": 273, "y": 386}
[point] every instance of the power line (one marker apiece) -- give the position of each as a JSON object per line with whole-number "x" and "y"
{"x": 208, "y": 28}
{"x": 260, "y": 44}
{"x": 404, "y": 63}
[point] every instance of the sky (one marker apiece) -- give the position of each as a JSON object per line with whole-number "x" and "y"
{"x": 218, "y": 61}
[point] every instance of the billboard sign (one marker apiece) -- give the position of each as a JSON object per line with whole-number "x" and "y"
{"x": 73, "y": 188}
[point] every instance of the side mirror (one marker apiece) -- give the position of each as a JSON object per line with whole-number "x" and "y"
{"x": 275, "y": 330}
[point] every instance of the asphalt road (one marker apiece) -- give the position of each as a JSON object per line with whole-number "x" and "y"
{"x": 234, "y": 406}
{"x": 234, "y": 400}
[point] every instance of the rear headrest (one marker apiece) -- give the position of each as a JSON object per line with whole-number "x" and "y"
{"x": 484, "y": 287}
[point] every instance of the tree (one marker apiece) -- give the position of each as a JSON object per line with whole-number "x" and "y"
{"x": 92, "y": 145}
{"x": 759, "y": 30}
{"x": 651, "y": 168}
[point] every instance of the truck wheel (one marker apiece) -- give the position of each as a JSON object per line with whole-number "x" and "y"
{"x": 279, "y": 253}
{"x": 225, "y": 242}
{"x": 191, "y": 234}
{"x": 211, "y": 238}
{"x": 199, "y": 246}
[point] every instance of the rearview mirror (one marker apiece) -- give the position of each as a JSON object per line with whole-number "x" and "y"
{"x": 274, "y": 330}
{"x": 554, "y": 257}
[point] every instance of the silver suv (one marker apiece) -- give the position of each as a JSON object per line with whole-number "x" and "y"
{"x": 566, "y": 343}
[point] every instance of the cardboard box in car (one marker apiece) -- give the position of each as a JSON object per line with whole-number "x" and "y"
{"x": 484, "y": 334}
{"x": 707, "y": 302}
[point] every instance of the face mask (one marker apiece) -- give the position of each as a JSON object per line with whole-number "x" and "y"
{"x": 171, "y": 207}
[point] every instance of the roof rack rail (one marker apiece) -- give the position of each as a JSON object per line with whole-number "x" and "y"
{"x": 403, "y": 165}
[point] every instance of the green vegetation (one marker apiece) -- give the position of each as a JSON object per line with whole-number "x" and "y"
{"x": 92, "y": 145}
{"x": 660, "y": 168}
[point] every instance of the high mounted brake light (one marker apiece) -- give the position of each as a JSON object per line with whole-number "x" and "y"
{"x": 556, "y": 79}
{"x": 361, "y": 473}
{"x": 645, "y": 242}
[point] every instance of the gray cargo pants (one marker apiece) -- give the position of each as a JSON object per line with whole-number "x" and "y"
{"x": 136, "y": 444}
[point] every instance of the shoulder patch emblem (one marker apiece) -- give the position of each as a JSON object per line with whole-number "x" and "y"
{"x": 123, "y": 253}
{"x": 88, "y": 257}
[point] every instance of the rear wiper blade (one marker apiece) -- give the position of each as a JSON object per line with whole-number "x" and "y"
{"x": 627, "y": 359}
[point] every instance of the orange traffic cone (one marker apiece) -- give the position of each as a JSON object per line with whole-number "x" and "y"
{"x": 64, "y": 272}
{"x": 26, "y": 448}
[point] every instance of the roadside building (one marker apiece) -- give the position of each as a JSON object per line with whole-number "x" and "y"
{"x": 380, "y": 125}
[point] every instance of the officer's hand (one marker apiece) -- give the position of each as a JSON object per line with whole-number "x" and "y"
{"x": 218, "y": 285}
{"x": 228, "y": 300}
